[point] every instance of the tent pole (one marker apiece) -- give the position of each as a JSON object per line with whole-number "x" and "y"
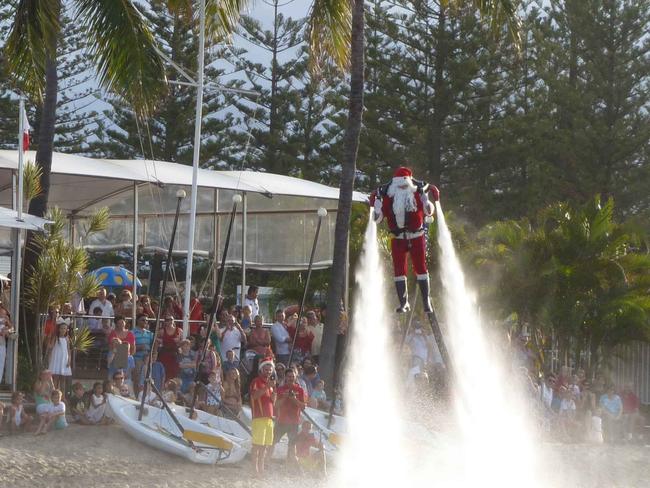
{"x": 195, "y": 172}
{"x": 216, "y": 241}
{"x": 244, "y": 237}
{"x": 321, "y": 214}
{"x": 180, "y": 194}
{"x": 136, "y": 217}
{"x": 217, "y": 300}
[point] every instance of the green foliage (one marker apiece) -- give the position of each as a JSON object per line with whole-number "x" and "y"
{"x": 573, "y": 272}
{"x": 81, "y": 340}
{"x": 59, "y": 271}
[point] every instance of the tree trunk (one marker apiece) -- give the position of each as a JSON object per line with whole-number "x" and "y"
{"x": 351, "y": 145}
{"x": 38, "y": 205}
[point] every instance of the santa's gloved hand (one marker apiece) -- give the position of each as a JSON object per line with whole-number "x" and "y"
{"x": 435, "y": 193}
{"x": 377, "y": 213}
{"x": 428, "y": 219}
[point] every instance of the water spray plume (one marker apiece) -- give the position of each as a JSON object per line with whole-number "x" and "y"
{"x": 368, "y": 456}
{"x": 490, "y": 444}
{"x": 496, "y": 439}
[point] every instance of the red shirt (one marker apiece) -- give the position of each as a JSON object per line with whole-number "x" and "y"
{"x": 304, "y": 442}
{"x": 630, "y": 402}
{"x": 289, "y": 412}
{"x": 263, "y": 406}
{"x": 302, "y": 343}
{"x": 130, "y": 338}
{"x": 196, "y": 314}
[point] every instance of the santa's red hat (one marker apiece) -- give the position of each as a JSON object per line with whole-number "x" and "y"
{"x": 402, "y": 175}
{"x": 264, "y": 362}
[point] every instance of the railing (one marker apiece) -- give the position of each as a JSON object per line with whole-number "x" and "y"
{"x": 94, "y": 359}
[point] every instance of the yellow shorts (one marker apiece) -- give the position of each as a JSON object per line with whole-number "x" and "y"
{"x": 262, "y": 431}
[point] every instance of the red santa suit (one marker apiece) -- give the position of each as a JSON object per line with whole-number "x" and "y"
{"x": 404, "y": 204}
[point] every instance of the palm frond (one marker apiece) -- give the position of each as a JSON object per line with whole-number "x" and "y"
{"x": 98, "y": 221}
{"x": 124, "y": 50}
{"x": 221, "y": 18}
{"x": 30, "y": 42}
{"x": 32, "y": 181}
{"x": 329, "y": 33}
{"x": 88, "y": 286}
{"x": 81, "y": 340}
{"x": 497, "y": 13}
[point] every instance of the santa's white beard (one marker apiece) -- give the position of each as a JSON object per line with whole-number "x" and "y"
{"x": 403, "y": 201}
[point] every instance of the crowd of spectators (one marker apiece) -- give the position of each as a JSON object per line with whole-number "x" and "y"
{"x": 569, "y": 408}
{"x": 219, "y": 383}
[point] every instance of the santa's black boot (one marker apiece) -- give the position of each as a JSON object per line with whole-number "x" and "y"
{"x": 423, "y": 283}
{"x": 402, "y": 296}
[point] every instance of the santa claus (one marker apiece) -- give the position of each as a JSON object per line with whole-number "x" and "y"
{"x": 405, "y": 204}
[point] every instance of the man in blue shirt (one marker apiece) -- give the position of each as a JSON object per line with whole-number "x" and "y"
{"x": 612, "y": 407}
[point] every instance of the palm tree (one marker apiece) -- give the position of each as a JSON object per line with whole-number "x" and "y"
{"x": 496, "y": 13}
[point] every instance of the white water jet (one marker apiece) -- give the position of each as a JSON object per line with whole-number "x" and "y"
{"x": 490, "y": 446}
{"x": 496, "y": 444}
{"x": 369, "y": 456}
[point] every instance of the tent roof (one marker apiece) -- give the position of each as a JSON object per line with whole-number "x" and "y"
{"x": 79, "y": 182}
{"x": 9, "y": 219}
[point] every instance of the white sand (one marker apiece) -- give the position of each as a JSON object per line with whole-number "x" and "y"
{"x": 84, "y": 457}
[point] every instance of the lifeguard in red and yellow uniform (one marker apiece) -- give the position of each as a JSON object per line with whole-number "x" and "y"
{"x": 405, "y": 205}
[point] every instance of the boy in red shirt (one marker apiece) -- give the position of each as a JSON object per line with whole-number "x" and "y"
{"x": 291, "y": 401}
{"x": 262, "y": 395}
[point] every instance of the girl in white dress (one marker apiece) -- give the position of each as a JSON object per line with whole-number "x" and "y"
{"x": 97, "y": 408}
{"x": 60, "y": 354}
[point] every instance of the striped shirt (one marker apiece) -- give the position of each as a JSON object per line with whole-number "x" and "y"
{"x": 143, "y": 340}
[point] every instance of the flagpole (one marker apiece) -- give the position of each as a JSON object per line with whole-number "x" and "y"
{"x": 195, "y": 171}
{"x": 16, "y": 259}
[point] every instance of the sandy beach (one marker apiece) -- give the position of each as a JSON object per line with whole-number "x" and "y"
{"x": 80, "y": 457}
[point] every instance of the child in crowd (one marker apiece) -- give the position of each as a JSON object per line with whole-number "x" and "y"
{"x": 310, "y": 462}
{"x": 230, "y": 362}
{"x": 50, "y": 412}
{"x": 107, "y": 387}
{"x": 567, "y": 414}
{"x": 18, "y": 419}
{"x": 96, "y": 323}
{"x": 187, "y": 364}
{"x": 170, "y": 394}
{"x": 110, "y": 357}
{"x": 318, "y": 397}
{"x": 157, "y": 371}
{"x": 97, "y": 408}
{"x": 595, "y": 432}
{"x": 214, "y": 393}
{"x": 150, "y": 399}
{"x": 77, "y": 404}
{"x": 125, "y": 392}
{"x": 246, "y": 319}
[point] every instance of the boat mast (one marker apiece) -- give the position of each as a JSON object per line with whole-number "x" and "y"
{"x": 195, "y": 170}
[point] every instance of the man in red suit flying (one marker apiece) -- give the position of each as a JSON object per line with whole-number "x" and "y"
{"x": 405, "y": 204}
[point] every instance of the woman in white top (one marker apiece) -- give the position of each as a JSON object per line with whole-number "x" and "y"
{"x": 60, "y": 354}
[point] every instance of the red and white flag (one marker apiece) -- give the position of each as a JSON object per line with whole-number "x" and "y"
{"x": 26, "y": 128}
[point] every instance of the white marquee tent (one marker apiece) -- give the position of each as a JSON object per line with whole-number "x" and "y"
{"x": 277, "y": 221}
